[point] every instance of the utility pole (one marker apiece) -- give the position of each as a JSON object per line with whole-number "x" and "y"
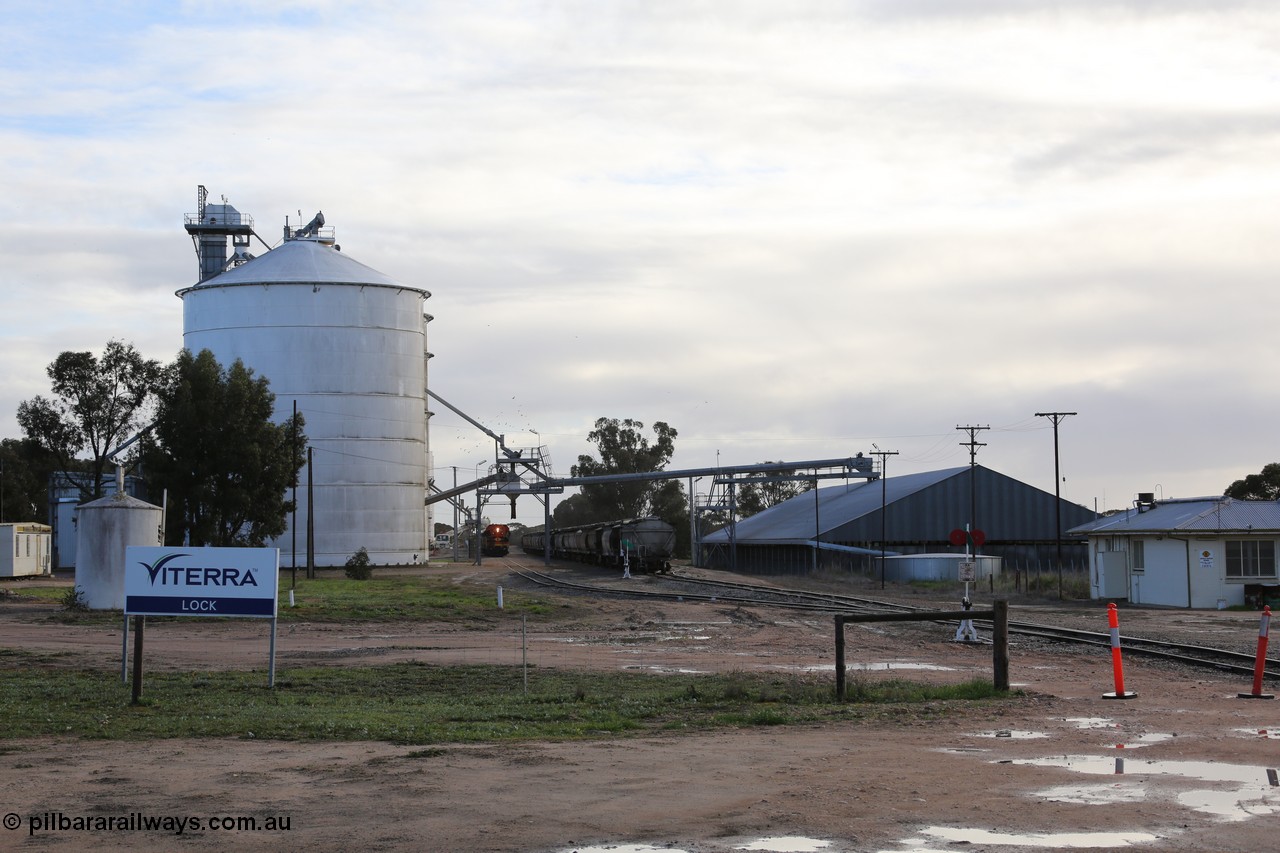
{"x": 883, "y": 501}
{"x": 293, "y": 525}
{"x": 1057, "y": 418}
{"x": 973, "y": 444}
{"x": 817, "y": 525}
{"x": 311, "y": 518}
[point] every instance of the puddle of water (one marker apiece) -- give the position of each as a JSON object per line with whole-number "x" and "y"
{"x": 1093, "y": 722}
{"x": 1013, "y": 734}
{"x": 1093, "y": 795}
{"x": 786, "y": 844}
{"x": 666, "y": 670}
{"x": 1052, "y": 840}
{"x": 1261, "y": 734}
{"x": 1146, "y": 740}
{"x": 623, "y": 848}
{"x": 962, "y": 750}
{"x": 780, "y": 844}
{"x": 886, "y": 666}
{"x": 700, "y": 624}
{"x": 1229, "y": 804}
{"x": 1251, "y": 794}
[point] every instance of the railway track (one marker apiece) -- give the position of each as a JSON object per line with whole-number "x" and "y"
{"x": 767, "y": 598}
{"x": 760, "y": 595}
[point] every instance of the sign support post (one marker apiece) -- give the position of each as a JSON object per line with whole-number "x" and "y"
{"x": 226, "y": 582}
{"x": 139, "y": 624}
{"x": 271, "y": 657}
{"x": 124, "y": 652}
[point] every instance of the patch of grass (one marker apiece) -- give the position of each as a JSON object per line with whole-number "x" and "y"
{"x": 1033, "y": 583}
{"x": 415, "y": 703}
{"x": 420, "y": 599}
{"x": 339, "y": 599}
{"x": 43, "y": 593}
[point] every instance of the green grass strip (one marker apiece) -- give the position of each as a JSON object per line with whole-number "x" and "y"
{"x": 414, "y": 703}
{"x": 340, "y": 599}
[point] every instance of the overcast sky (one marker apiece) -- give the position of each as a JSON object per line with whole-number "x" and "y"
{"x": 789, "y": 230}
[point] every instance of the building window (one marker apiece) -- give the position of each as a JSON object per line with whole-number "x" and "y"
{"x": 1251, "y": 558}
{"x": 1138, "y": 553}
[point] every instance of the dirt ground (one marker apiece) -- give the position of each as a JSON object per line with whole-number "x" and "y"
{"x": 1180, "y": 766}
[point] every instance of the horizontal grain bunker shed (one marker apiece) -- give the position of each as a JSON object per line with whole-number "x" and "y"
{"x": 1188, "y": 552}
{"x": 921, "y": 511}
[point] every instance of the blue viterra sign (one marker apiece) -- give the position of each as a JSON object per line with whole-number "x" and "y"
{"x": 201, "y": 581}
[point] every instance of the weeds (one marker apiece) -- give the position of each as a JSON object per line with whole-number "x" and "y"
{"x": 421, "y": 704}
{"x": 357, "y": 567}
{"x": 73, "y": 600}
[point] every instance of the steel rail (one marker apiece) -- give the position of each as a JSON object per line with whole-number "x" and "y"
{"x": 548, "y": 581}
{"x": 1200, "y": 656}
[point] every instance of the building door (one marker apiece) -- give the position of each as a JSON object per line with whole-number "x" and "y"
{"x": 1113, "y": 574}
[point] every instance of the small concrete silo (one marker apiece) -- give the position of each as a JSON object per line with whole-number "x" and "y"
{"x": 348, "y": 345}
{"x": 104, "y": 528}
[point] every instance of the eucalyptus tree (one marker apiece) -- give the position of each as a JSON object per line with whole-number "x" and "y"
{"x": 1263, "y": 486}
{"x": 226, "y": 464}
{"x": 98, "y": 404}
{"x": 757, "y": 497}
{"x": 624, "y": 449}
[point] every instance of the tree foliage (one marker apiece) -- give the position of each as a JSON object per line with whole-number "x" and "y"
{"x": 757, "y": 497}
{"x": 575, "y": 510}
{"x": 358, "y": 566}
{"x": 98, "y": 403}
{"x": 227, "y": 466}
{"x": 624, "y": 450}
{"x": 1263, "y": 486}
{"x": 24, "y": 480}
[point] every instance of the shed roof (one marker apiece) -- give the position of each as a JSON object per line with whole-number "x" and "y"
{"x": 793, "y": 519}
{"x": 920, "y": 508}
{"x": 1191, "y": 515}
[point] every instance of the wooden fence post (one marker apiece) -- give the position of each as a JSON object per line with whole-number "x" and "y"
{"x": 839, "y": 658}
{"x": 1000, "y": 643}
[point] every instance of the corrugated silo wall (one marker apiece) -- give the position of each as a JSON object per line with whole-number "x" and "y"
{"x": 352, "y": 356}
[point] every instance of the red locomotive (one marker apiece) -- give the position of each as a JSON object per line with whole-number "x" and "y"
{"x": 495, "y": 541}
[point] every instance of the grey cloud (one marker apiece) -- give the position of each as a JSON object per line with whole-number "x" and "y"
{"x": 1142, "y": 138}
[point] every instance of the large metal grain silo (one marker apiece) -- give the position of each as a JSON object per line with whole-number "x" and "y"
{"x": 348, "y": 344}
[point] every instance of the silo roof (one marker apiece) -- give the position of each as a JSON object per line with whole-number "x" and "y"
{"x": 301, "y": 262}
